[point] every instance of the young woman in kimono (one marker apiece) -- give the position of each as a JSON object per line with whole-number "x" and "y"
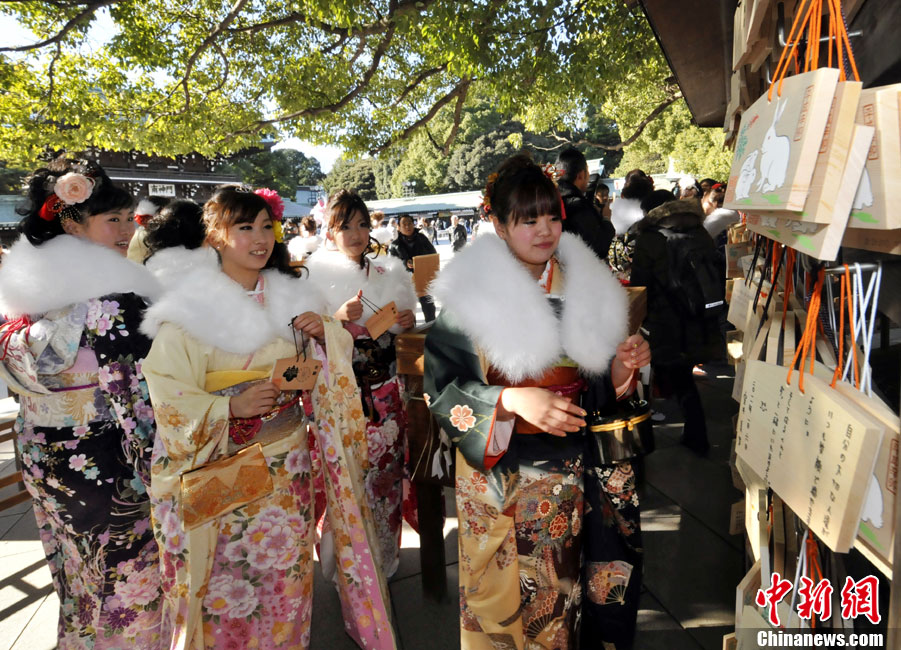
{"x": 526, "y": 317}
{"x": 73, "y": 352}
{"x": 354, "y": 281}
{"x": 239, "y": 573}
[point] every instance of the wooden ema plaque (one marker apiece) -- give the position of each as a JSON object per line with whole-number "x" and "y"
{"x": 821, "y": 240}
{"x": 295, "y": 373}
{"x": 816, "y": 449}
{"x": 425, "y": 268}
{"x": 383, "y": 319}
{"x": 777, "y": 145}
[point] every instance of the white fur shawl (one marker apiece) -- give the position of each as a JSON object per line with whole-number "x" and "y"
{"x": 170, "y": 265}
{"x": 216, "y": 310}
{"x": 498, "y": 305}
{"x": 66, "y": 270}
{"x": 340, "y": 279}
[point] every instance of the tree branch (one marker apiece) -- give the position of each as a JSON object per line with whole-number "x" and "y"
{"x": 625, "y": 143}
{"x": 209, "y": 40}
{"x": 458, "y": 116}
{"x": 425, "y": 119}
{"x": 68, "y": 27}
{"x": 51, "y": 79}
{"x": 418, "y": 79}
{"x": 335, "y": 106}
{"x": 399, "y": 9}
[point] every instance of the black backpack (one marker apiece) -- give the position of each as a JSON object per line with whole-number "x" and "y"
{"x": 697, "y": 290}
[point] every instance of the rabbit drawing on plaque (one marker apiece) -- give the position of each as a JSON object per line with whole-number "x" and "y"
{"x": 746, "y": 176}
{"x": 774, "y": 155}
{"x": 864, "y": 197}
{"x": 872, "y": 508}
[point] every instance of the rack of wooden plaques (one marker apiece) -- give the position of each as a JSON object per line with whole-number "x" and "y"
{"x": 760, "y": 30}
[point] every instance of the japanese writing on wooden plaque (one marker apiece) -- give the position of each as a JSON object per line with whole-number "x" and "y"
{"x": 816, "y": 448}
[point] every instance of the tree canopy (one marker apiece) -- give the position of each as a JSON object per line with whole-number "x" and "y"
{"x": 366, "y": 75}
{"x": 282, "y": 170}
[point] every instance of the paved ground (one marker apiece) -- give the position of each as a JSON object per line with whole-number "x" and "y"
{"x": 691, "y": 569}
{"x": 692, "y": 563}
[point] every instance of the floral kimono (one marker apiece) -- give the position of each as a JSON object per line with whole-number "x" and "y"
{"x": 84, "y": 432}
{"x": 520, "y": 492}
{"x": 244, "y": 578}
{"x": 375, "y": 366}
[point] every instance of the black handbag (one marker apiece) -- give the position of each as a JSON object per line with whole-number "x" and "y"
{"x": 623, "y": 435}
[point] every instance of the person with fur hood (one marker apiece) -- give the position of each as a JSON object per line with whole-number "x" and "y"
{"x": 681, "y": 335}
{"x": 356, "y": 282}
{"x": 233, "y": 471}
{"x": 529, "y": 317}
{"x": 73, "y": 353}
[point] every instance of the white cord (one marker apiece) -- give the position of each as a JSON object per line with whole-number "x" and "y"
{"x": 875, "y": 283}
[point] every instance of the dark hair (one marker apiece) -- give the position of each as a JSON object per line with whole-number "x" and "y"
{"x": 602, "y": 187}
{"x": 523, "y": 191}
{"x": 341, "y": 208}
{"x": 710, "y": 181}
{"x": 233, "y": 204}
{"x": 179, "y": 223}
{"x": 105, "y": 197}
{"x": 569, "y": 163}
{"x": 159, "y": 201}
{"x": 638, "y": 185}
{"x": 309, "y": 224}
{"x": 655, "y": 199}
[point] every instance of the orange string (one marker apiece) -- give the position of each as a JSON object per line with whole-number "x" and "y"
{"x": 801, "y": 19}
{"x": 808, "y": 339}
{"x": 813, "y": 564}
{"x": 852, "y": 310}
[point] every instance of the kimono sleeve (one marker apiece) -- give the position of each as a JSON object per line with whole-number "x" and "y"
{"x": 190, "y": 422}
{"x": 457, "y": 395}
{"x": 111, "y": 329}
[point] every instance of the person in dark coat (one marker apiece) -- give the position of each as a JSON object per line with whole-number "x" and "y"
{"x": 678, "y": 341}
{"x": 409, "y": 243}
{"x": 581, "y": 217}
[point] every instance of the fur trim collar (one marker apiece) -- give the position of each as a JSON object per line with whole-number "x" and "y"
{"x": 340, "y": 279}
{"x": 216, "y": 310}
{"x": 504, "y": 311}
{"x": 171, "y": 264}
{"x": 66, "y": 270}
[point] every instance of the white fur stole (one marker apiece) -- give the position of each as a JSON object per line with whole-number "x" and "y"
{"x": 216, "y": 310}
{"x": 498, "y": 304}
{"x": 64, "y": 271}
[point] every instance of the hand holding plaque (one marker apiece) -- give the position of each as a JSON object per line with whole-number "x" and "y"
{"x": 295, "y": 373}
{"x": 383, "y": 319}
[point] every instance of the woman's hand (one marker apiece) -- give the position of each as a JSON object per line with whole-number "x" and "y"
{"x": 310, "y": 323}
{"x": 351, "y": 310}
{"x": 631, "y": 354}
{"x": 543, "y": 409}
{"x": 256, "y": 400}
{"x": 406, "y": 319}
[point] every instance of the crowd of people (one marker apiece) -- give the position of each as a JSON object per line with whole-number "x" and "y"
{"x": 207, "y": 405}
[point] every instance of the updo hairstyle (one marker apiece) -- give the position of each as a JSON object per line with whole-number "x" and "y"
{"x": 522, "y": 191}
{"x": 178, "y": 223}
{"x": 637, "y": 186}
{"x": 234, "y": 204}
{"x": 308, "y": 225}
{"x": 341, "y": 208}
{"x": 105, "y": 197}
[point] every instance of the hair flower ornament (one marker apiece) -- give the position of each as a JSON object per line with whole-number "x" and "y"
{"x": 486, "y": 193}
{"x": 276, "y": 209}
{"x": 68, "y": 190}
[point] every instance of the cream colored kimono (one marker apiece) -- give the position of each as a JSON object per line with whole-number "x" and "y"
{"x": 245, "y": 578}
